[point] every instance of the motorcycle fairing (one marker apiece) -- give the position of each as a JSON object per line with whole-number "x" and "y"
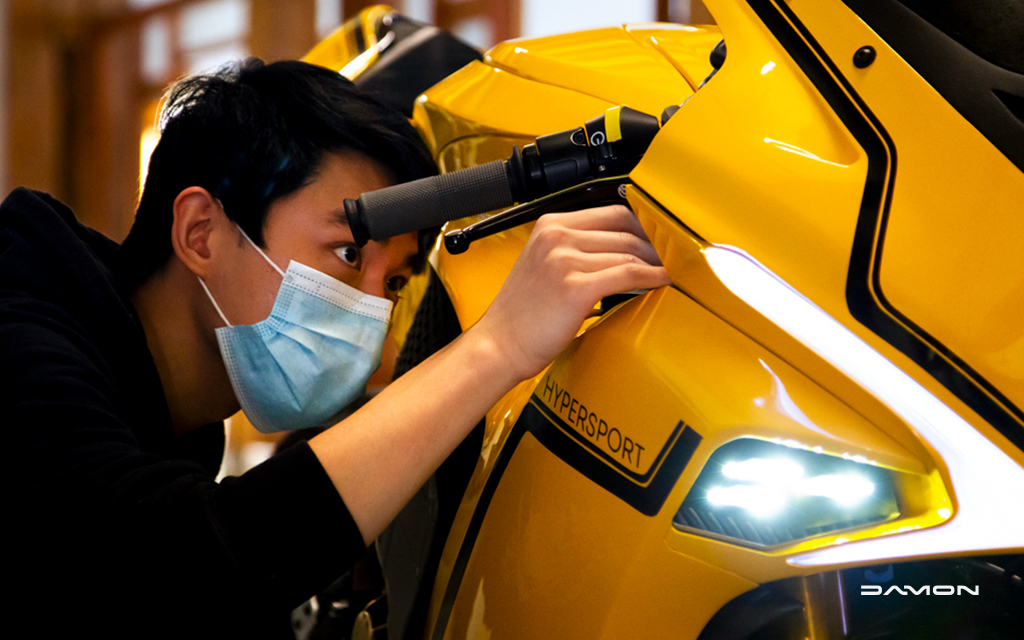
{"x": 935, "y": 282}
{"x": 803, "y": 148}
{"x": 761, "y": 160}
{"x": 674, "y": 363}
{"x": 977, "y": 284}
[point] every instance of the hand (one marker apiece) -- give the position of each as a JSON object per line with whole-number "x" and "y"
{"x": 385, "y": 451}
{"x": 570, "y": 262}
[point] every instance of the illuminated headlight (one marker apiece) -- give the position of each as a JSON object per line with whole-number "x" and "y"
{"x": 767, "y": 494}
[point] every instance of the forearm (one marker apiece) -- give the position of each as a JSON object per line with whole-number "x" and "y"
{"x": 381, "y": 455}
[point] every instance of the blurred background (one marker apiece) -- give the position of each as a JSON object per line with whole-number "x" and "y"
{"x": 80, "y": 80}
{"x": 81, "y": 83}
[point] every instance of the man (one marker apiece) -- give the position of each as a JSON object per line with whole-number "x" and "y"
{"x": 239, "y": 285}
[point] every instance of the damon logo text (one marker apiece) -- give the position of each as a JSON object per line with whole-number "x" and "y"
{"x": 926, "y": 590}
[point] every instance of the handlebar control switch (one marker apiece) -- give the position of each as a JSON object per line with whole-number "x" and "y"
{"x": 566, "y": 162}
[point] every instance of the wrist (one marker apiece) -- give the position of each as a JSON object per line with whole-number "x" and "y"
{"x": 491, "y": 352}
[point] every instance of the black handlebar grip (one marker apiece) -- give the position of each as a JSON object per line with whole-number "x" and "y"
{"x": 429, "y": 202}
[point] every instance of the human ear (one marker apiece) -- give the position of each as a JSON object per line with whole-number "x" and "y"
{"x": 196, "y": 214}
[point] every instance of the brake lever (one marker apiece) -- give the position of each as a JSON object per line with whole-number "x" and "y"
{"x": 593, "y": 193}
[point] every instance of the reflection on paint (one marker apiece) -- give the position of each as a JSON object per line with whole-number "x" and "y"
{"x": 785, "y": 146}
{"x": 784, "y": 403}
{"x": 477, "y": 627}
{"x": 984, "y": 478}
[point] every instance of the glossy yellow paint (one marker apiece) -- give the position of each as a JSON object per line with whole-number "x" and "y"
{"x": 562, "y": 538}
{"x": 643, "y": 371}
{"x": 612, "y": 63}
{"x": 527, "y": 88}
{"x": 353, "y": 46}
{"x": 758, "y": 160}
{"x": 526, "y": 548}
{"x": 478, "y": 113}
{"x": 951, "y": 261}
{"x": 685, "y": 47}
{"x": 520, "y": 564}
{"x": 673, "y": 360}
{"x": 923, "y": 481}
{"x": 681, "y": 251}
{"x": 475, "y": 116}
{"x": 483, "y": 100}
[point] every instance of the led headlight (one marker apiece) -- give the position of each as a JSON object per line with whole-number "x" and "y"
{"x": 765, "y": 494}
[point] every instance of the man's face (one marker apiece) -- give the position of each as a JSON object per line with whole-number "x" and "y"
{"x": 309, "y": 226}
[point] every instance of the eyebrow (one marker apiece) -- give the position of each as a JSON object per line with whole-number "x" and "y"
{"x": 410, "y": 262}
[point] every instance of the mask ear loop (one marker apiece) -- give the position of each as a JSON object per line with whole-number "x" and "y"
{"x": 258, "y": 250}
{"x": 249, "y": 240}
{"x": 215, "y": 305}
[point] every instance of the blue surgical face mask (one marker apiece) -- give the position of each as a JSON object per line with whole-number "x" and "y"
{"x": 312, "y": 357}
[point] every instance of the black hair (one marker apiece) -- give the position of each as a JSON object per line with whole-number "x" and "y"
{"x": 252, "y": 133}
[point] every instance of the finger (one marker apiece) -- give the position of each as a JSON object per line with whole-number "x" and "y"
{"x": 560, "y": 230}
{"x": 613, "y": 242}
{"x": 582, "y": 262}
{"x": 614, "y": 217}
{"x": 625, "y": 277}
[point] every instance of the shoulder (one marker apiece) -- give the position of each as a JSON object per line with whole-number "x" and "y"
{"x": 69, "y": 336}
{"x": 59, "y": 269}
{"x": 38, "y": 220}
{"x": 34, "y": 216}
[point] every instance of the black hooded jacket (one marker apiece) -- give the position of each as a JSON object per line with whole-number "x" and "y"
{"x": 113, "y": 524}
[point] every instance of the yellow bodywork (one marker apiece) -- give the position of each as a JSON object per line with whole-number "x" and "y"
{"x": 758, "y": 160}
{"x": 353, "y": 46}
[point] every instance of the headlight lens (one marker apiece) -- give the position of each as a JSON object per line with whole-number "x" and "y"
{"x": 765, "y": 494}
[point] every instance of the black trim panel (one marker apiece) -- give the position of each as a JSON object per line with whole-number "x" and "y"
{"x": 649, "y": 499}
{"x": 864, "y": 294}
{"x": 967, "y": 81}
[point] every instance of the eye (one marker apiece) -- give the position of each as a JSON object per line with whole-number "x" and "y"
{"x": 350, "y": 255}
{"x": 396, "y": 283}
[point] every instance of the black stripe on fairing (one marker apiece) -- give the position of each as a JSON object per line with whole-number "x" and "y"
{"x": 649, "y": 499}
{"x": 864, "y": 295}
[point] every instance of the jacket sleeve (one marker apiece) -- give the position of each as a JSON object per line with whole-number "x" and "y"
{"x": 131, "y": 537}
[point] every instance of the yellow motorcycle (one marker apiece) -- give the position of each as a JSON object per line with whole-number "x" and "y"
{"x": 818, "y": 430}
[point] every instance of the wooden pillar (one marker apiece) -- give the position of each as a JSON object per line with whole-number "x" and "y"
{"x": 74, "y": 99}
{"x": 5, "y": 97}
{"x": 684, "y": 11}
{"x": 282, "y": 30}
{"x": 103, "y": 128}
{"x": 699, "y": 13}
{"x": 36, "y": 101}
{"x": 507, "y": 17}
